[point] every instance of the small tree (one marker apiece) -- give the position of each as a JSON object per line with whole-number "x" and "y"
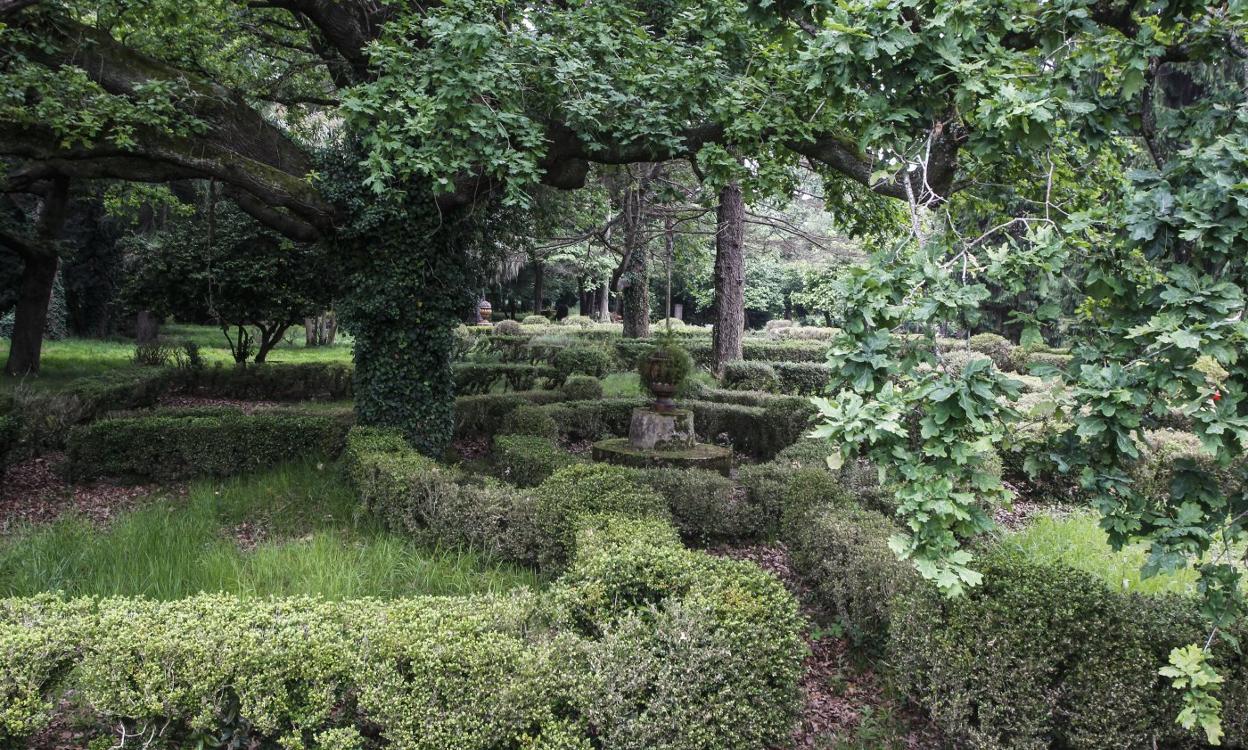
{"x": 221, "y": 266}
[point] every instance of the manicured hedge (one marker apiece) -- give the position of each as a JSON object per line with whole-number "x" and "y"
{"x": 308, "y": 381}
{"x": 482, "y": 377}
{"x": 218, "y": 443}
{"x": 528, "y": 460}
{"x": 592, "y": 420}
{"x": 1043, "y": 656}
{"x": 751, "y": 376}
{"x": 803, "y": 378}
{"x": 706, "y": 506}
{"x": 582, "y": 388}
{"x": 484, "y": 414}
{"x": 642, "y": 645}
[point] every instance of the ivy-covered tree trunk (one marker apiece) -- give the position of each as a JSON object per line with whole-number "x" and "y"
{"x": 635, "y": 278}
{"x": 729, "y": 277}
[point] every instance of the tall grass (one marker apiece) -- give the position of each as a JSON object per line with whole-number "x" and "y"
{"x": 318, "y": 545}
{"x": 1078, "y": 542}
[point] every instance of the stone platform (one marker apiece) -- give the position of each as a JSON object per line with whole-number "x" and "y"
{"x": 700, "y": 456}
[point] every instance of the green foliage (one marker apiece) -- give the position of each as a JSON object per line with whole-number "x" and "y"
{"x": 841, "y": 552}
{"x": 484, "y": 414}
{"x": 1043, "y": 656}
{"x": 587, "y": 489}
{"x": 707, "y": 507}
{"x": 751, "y": 376}
{"x": 677, "y": 366}
{"x": 9, "y": 431}
{"x": 536, "y": 320}
{"x": 593, "y": 420}
{"x": 581, "y": 360}
{"x": 305, "y": 381}
{"x": 582, "y": 388}
{"x": 580, "y": 321}
{"x": 508, "y": 328}
{"x": 527, "y": 460}
{"x": 997, "y": 347}
{"x": 220, "y": 443}
{"x": 482, "y": 377}
{"x": 531, "y": 420}
{"x": 803, "y": 378}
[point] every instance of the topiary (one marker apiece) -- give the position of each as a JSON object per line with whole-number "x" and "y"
{"x": 526, "y": 460}
{"x": 581, "y": 489}
{"x": 751, "y": 376}
{"x": 508, "y": 328}
{"x": 528, "y": 419}
{"x": 581, "y": 360}
{"x": 536, "y": 320}
{"x": 997, "y": 347}
{"x": 582, "y": 388}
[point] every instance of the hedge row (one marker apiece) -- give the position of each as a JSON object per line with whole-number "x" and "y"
{"x": 793, "y": 378}
{"x": 1038, "y": 656}
{"x": 642, "y": 644}
{"x": 307, "y": 381}
{"x": 483, "y": 414}
{"x": 206, "y": 442}
{"x": 482, "y": 377}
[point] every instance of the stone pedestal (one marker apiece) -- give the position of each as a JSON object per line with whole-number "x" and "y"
{"x": 663, "y": 439}
{"x": 651, "y": 430}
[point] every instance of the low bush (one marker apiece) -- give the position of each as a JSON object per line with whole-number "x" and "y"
{"x": 536, "y": 320}
{"x": 643, "y": 644}
{"x": 482, "y": 415}
{"x": 309, "y": 381}
{"x": 587, "y": 489}
{"x": 1164, "y": 454}
{"x": 751, "y": 376}
{"x": 997, "y": 347}
{"x": 152, "y": 354}
{"x": 785, "y": 351}
{"x": 508, "y": 328}
{"x": 531, "y": 420}
{"x": 777, "y": 323}
{"x": 814, "y": 333}
{"x": 803, "y": 378}
{"x": 527, "y": 460}
{"x": 592, "y": 420}
{"x": 582, "y": 388}
{"x": 630, "y": 351}
{"x": 956, "y": 360}
{"x": 474, "y": 378}
{"x": 759, "y": 431}
{"x": 859, "y": 479}
{"x": 174, "y": 446}
{"x": 580, "y": 321}
{"x": 1043, "y": 656}
{"x": 707, "y": 507}
{"x": 1037, "y": 363}
{"x": 841, "y": 552}
{"x": 665, "y": 323}
{"x": 581, "y": 360}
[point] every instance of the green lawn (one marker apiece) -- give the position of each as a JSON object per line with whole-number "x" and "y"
{"x": 1077, "y": 541}
{"x": 68, "y": 359}
{"x": 316, "y": 542}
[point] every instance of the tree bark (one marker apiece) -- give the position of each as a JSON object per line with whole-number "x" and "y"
{"x": 635, "y": 279}
{"x": 30, "y": 317}
{"x": 539, "y": 276}
{"x": 604, "y": 303}
{"x": 146, "y": 327}
{"x": 729, "y": 277}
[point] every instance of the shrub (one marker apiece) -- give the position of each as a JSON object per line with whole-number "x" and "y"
{"x": 1165, "y": 452}
{"x": 591, "y": 420}
{"x": 188, "y": 357}
{"x": 859, "y": 479}
{"x": 581, "y": 360}
{"x": 526, "y": 461}
{"x": 803, "y": 378}
{"x": 704, "y": 648}
{"x": 589, "y": 488}
{"x": 152, "y": 354}
{"x": 706, "y": 506}
{"x": 224, "y": 443}
{"x": 536, "y": 320}
{"x": 751, "y": 376}
{"x": 508, "y": 328}
{"x": 997, "y": 347}
{"x": 582, "y": 388}
{"x": 473, "y": 378}
{"x": 956, "y": 360}
{"x": 580, "y": 321}
{"x": 528, "y": 419}
{"x": 814, "y": 333}
{"x": 758, "y": 431}
{"x": 1045, "y": 656}
{"x": 630, "y": 351}
{"x": 483, "y": 414}
{"x": 665, "y": 323}
{"x": 1038, "y": 362}
{"x": 841, "y": 552}
{"x": 785, "y": 351}
{"x": 310, "y": 381}
{"x": 777, "y": 323}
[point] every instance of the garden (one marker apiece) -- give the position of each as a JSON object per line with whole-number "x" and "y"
{"x": 595, "y": 376}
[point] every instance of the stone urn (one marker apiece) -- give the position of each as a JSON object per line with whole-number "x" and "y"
{"x": 660, "y": 376}
{"x": 484, "y": 311}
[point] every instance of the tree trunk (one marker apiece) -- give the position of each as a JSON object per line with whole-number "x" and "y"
{"x": 539, "y": 276}
{"x": 311, "y": 331}
{"x": 146, "y": 327}
{"x": 729, "y": 277}
{"x": 604, "y": 303}
{"x": 635, "y": 279}
{"x": 30, "y": 317}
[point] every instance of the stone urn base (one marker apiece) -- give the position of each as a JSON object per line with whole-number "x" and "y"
{"x": 663, "y": 439}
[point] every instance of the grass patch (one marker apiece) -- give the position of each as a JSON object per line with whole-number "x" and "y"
{"x": 318, "y": 545}
{"x": 1078, "y": 542}
{"x": 66, "y": 360}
